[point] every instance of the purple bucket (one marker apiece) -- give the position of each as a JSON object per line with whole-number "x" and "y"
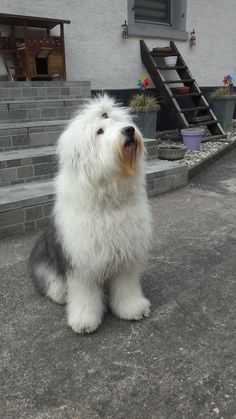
{"x": 192, "y": 138}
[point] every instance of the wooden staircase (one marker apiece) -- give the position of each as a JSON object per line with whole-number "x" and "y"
{"x": 186, "y": 110}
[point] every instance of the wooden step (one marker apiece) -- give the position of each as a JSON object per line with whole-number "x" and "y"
{"x": 195, "y": 108}
{"x": 176, "y": 95}
{"x": 163, "y": 54}
{"x": 213, "y": 122}
{"x": 214, "y": 138}
{"x": 200, "y": 119}
{"x": 168, "y": 67}
{"x": 179, "y": 81}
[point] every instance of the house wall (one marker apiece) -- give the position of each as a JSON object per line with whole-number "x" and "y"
{"x": 95, "y": 49}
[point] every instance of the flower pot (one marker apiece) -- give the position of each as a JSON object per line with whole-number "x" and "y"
{"x": 146, "y": 121}
{"x": 170, "y": 61}
{"x": 183, "y": 89}
{"x": 192, "y": 138}
{"x": 223, "y": 108}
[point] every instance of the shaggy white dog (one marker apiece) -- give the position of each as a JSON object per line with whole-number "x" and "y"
{"x": 101, "y": 223}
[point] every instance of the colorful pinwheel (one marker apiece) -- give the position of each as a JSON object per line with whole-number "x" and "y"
{"x": 143, "y": 83}
{"x": 228, "y": 80}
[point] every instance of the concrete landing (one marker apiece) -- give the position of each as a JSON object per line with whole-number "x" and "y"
{"x": 178, "y": 364}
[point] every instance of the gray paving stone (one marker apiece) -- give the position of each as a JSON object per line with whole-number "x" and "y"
{"x": 42, "y": 91}
{"x": 16, "y": 92}
{"x": 20, "y": 140}
{"x": 43, "y": 168}
{"x": 11, "y": 230}
{"x": 13, "y": 163}
{"x": 42, "y": 222}
{"x": 25, "y": 172}
{"x": 5, "y": 141}
{"x": 34, "y": 114}
{"x": 26, "y": 161}
{"x": 11, "y": 217}
{"x": 30, "y": 91}
{"x": 4, "y": 93}
{"x": 33, "y": 213}
{"x": 65, "y": 91}
{"x": 42, "y": 159}
{"x": 7, "y": 175}
{"x": 4, "y": 116}
{"x": 3, "y": 164}
{"x": 49, "y": 113}
{"x": 30, "y": 226}
{"x": 47, "y": 209}
{"x": 18, "y": 114}
{"x": 53, "y": 91}
{"x": 45, "y": 138}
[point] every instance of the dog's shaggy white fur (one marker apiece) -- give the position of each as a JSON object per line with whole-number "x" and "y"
{"x": 101, "y": 224}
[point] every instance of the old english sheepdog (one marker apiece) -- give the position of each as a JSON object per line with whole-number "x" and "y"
{"x": 101, "y": 224}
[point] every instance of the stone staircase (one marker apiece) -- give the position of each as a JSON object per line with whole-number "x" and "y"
{"x": 32, "y": 116}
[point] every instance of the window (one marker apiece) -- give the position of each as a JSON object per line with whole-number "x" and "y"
{"x": 157, "y": 18}
{"x": 152, "y": 11}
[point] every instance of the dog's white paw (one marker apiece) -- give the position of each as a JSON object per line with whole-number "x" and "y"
{"x": 57, "y": 292}
{"x": 84, "y": 323}
{"x": 134, "y": 309}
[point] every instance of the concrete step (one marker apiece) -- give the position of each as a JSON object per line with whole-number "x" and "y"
{"x": 27, "y": 165}
{"x": 27, "y": 207}
{"x": 35, "y": 110}
{"x": 38, "y": 90}
{"x": 21, "y": 135}
{"x": 17, "y": 135}
{"x": 31, "y": 164}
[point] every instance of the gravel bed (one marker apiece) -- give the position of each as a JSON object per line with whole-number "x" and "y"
{"x": 207, "y": 149}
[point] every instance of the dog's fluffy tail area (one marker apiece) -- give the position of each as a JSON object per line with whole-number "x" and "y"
{"x": 49, "y": 283}
{"x": 47, "y": 266}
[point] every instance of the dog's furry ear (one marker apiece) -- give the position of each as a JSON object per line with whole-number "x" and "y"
{"x": 67, "y": 150}
{"x": 73, "y": 144}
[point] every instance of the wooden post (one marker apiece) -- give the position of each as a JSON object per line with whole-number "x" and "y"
{"x": 13, "y": 42}
{"x": 63, "y": 49}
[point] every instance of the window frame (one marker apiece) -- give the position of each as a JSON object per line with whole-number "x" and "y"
{"x": 175, "y": 30}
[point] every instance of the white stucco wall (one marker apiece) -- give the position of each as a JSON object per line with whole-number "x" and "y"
{"x": 95, "y": 50}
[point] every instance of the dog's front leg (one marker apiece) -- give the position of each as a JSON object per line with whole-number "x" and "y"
{"x": 84, "y": 304}
{"x": 126, "y": 297}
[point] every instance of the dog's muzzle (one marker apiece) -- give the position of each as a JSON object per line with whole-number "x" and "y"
{"x": 129, "y": 135}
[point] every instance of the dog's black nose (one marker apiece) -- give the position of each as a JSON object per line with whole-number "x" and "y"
{"x": 128, "y": 131}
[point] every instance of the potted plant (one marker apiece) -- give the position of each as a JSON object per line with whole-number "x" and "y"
{"x": 145, "y": 107}
{"x": 223, "y": 103}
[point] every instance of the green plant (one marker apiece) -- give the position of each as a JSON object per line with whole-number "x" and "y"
{"x": 222, "y": 91}
{"x": 143, "y": 101}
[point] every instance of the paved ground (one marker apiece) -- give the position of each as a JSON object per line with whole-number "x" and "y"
{"x": 180, "y": 363}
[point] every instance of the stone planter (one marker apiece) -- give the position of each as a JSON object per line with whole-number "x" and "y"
{"x": 146, "y": 121}
{"x": 223, "y": 108}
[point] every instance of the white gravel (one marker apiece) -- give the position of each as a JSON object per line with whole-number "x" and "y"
{"x": 206, "y": 149}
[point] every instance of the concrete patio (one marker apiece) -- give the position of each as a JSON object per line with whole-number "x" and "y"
{"x": 179, "y": 363}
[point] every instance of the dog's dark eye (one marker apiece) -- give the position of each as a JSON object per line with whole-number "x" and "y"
{"x": 100, "y": 131}
{"x": 104, "y": 115}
